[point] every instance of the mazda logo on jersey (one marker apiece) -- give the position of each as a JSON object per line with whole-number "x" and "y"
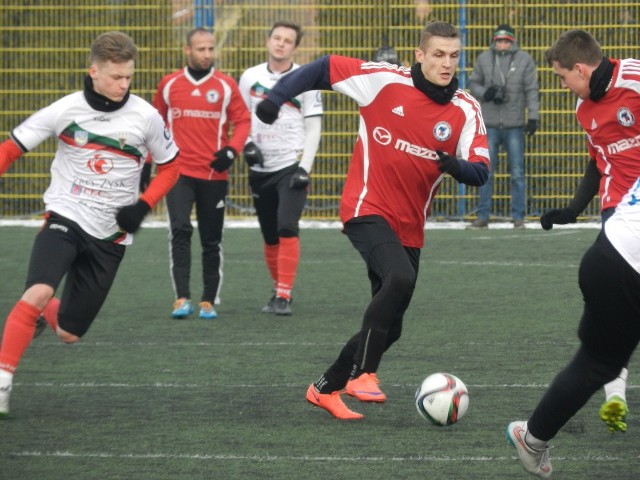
{"x": 382, "y": 136}
{"x": 176, "y": 113}
{"x": 99, "y": 165}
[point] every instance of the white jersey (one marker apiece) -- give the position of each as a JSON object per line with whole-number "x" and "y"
{"x": 281, "y": 143}
{"x": 96, "y": 169}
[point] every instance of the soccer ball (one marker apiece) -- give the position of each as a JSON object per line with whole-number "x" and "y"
{"x": 442, "y": 398}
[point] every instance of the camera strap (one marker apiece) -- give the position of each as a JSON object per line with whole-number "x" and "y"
{"x": 503, "y": 78}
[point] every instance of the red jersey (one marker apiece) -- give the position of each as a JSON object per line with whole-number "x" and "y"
{"x": 613, "y": 132}
{"x": 393, "y": 171}
{"x": 200, "y": 114}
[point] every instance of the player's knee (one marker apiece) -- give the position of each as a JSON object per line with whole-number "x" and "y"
{"x": 402, "y": 280}
{"x": 67, "y": 337}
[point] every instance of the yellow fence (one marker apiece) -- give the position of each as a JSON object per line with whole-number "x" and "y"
{"x": 45, "y": 46}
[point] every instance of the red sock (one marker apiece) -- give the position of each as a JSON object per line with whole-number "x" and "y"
{"x": 50, "y": 313}
{"x": 288, "y": 258}
{"x": 271, "y": 258}
{"x": 18, "y": 333}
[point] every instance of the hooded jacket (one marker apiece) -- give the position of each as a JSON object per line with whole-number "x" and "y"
{"x": 514, "y": 69}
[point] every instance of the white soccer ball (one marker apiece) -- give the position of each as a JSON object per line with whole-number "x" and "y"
{"x": 442, "y": 398}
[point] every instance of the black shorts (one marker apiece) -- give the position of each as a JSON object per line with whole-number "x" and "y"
{"x": 90, "y": 265}
{"x": 610, "y": 324}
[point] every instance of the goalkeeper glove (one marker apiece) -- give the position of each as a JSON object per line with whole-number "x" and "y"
{"x": 223, "y": 159}
{"x": 130, "y": 217}
{"x": 299, "y": 179}
{"x": 448, "y": 164}
{"x": 253, "y": 155}
{"x": 558, "y": 216}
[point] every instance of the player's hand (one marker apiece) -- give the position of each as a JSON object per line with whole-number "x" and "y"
{"x": 223, "y": 159}
{"x": 299, "y": 179}
{"x": 448, "y": 164}
{"x": 130, "y": 218}
{"x": 558, "y": 216}
{"x": 252, "y": 155}
{"x": 267, "y": 111}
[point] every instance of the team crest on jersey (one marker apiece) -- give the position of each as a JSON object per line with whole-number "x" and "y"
{"x": 100, "y": 165}
{"x": 213, "y": 96}
{"x": 81, "y": 138}
{"x": 122, "y": 139}
{"x": 442, "y": 131}
{"x": 625, "y": 117}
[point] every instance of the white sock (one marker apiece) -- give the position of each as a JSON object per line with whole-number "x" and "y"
{"x": 617, "y": 387}
{"x": 6, "y": 378}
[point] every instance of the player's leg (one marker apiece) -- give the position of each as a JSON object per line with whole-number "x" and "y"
{"x": 210, "y": 208}
{"x": 291, "y": 203}
{"x": 179, "y": 201}
{"x": 265, "y": 202}
{"x": 52, "y": 254}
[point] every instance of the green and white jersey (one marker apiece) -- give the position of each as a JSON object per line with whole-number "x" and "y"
{"x": 281, "y": 143}
{"x": 96, "y": 169}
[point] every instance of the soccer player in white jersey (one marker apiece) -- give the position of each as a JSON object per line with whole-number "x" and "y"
{"x": 416, "y": 125}
{"x": 280, "y": 157}
{"x": 92, "y": 206}
{"x": 608, "y": 93}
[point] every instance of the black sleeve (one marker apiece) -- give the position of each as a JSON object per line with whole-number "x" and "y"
{"x": 587, "y": 189}
{"x": 312, "y": 76}
{"x": 474, "y": 174}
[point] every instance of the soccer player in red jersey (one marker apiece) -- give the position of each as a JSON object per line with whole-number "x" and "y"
{"x": 416, "y": 125}
{"x": 608, "y": 93}
{"x": 209, "y": 121}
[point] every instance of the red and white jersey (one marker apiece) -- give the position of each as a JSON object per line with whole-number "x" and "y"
{"x": 393, "y": 171}
{"x": 96, "y": 169}
{"x": 612, "y": 125}
{"x": 201, "y": 114}
{"x": 282, "y": 142}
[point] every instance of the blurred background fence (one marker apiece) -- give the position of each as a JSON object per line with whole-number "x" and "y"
{"x": 44, "y": 55}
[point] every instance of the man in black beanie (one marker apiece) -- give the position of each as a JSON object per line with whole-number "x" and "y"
{"x": 505, "y": 81}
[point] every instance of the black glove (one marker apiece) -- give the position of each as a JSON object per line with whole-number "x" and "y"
{"x": 130, "y": 217}
{"x": 532, "y": 126}
{"x": 267, "y": 111}
{"x": 253, "y": 155}
{"x": 448, "y": 164}
{"x": 145, "y": 176}
{"x": 558, "y": 216}
{"x": 299, "y": 179}
{"x": 489, "y": 93}
{"x": 498, "y": 100}
{"x": 223, "y": 159}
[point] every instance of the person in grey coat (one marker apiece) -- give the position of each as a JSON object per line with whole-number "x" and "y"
{"x": 505, "y": 80}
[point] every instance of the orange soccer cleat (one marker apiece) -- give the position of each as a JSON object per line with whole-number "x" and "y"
{"x": 332, "y": 403}
{"x": 365, "y": 388}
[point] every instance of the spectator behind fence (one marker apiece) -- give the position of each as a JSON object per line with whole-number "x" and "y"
{"x": 201, "y": 106}
{"x": 505, "y": 80}
{"x": 280, "y": 158}
{"x": 416, "y": 126}
{"x": 608, "y": 92}
{"x": 104, "y": 134}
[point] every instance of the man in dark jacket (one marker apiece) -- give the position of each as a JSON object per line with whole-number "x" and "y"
{"x": 505, "y": 80}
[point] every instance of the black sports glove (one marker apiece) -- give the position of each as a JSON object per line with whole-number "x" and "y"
{"x": 145, "y": 177}
{"x": 448, "y": 164}
{"x": 223, "y": 159}
{"x": 489, "y": 93}
{"x": 130, "y": 217}
{"x": 299, "y": 179}
{"x": 252, "y": 155}
{"x": 532, "y": 126}
{"x": 267, "y": 111}
{"x": 558, "y": 216}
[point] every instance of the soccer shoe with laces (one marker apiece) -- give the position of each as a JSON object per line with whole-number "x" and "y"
{"x": 207, "y": 311}
{"x": 365, "y": 388}
{"x": 268, "y": 308}
{"x": 534, "y": 461}
{"x": 332, "y": 403}
{"x": 282, "y": 306}
{"x": 5, "y": 391}
{"x": 182, "y": 308}
{"x": 613, "y": 412}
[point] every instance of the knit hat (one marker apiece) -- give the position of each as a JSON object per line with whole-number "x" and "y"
{"x": 504, "y": 32}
